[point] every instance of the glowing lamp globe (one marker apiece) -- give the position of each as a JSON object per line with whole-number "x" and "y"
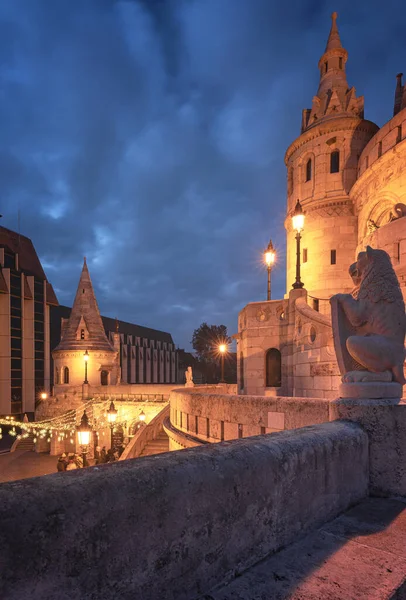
{"x": 43, "y": 395}
{"x": 222, "y": 348}
{"x": 142, "y": 416}
{"x": 86, "y": 356}
{"x": 298, "y": 218}
{"x": 84, "y": 431}
{"x": 112, "y": 414}
{"x": 270, "y": 255}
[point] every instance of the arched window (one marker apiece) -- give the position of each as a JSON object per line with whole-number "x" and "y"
{"x": 82, "y": 334}
{"x": 65, "y": 375}
{"x": 335, "y": 162}
{"x": 273, "y": 366}
{"x": 56, "y": 376}
{"x": 104, "y": 377}
{"x": 309, "y": 170}
{"x": 241, "y": 371}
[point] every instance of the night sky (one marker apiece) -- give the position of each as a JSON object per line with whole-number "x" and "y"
{"x": 149, "y": 136}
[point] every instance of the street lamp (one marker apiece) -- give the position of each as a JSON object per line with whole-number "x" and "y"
{"x": 44, "y": 395}
{"x": 298, "y": 224}
{"x": 86, "y": 358}
{"x": 142, "y": 416}
{"x": 111, "y": 417}
{"x": 222, "y": 350}
{"x": 269, "y": 258}
{"x": 83, "y": 431}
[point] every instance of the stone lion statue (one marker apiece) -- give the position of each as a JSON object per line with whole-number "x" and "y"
{"x": 372, "y": 324}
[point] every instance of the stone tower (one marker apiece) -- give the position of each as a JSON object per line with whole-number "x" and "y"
{"x": 322, "y": 167}
{"x": 84, "y": 331}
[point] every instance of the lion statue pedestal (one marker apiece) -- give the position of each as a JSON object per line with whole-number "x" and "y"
{"x": 369, "y": 330}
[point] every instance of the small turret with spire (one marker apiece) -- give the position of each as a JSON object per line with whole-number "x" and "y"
{"x": 334, "y": 97}
{"x": 84, "y": 329}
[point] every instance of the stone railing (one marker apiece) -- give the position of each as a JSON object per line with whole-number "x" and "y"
{"x": 178, "y": 524}
{"x": 212, "y": 416}
{"x": 145, "y": 434}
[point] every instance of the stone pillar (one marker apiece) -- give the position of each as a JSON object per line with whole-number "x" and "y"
{"x": 384, "y": 420}
{"x": 85, "y": 392}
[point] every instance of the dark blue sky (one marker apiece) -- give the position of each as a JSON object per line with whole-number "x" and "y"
{"x": 149, "y": 136}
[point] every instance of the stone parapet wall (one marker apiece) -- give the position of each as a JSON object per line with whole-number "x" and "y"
{"x": 216, "y": 417}
{"x": 177, "y": 524}
{"x": 383, "y": 141}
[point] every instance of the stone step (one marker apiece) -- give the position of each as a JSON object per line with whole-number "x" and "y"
{"x": 157, "y": 446}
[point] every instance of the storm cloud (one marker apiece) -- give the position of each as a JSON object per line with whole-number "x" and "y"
{"x": 149, "y": 136}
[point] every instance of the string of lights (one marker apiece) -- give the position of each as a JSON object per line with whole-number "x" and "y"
{"x": 63, "y": 427}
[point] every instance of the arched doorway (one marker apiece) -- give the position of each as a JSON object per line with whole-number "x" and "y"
{"x": 273, "y": 368}
{"x": 104, "y": 377}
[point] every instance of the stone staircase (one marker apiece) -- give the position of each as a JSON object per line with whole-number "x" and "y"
{"x": 157, "y": 446}
{"x": 25, "y": 444}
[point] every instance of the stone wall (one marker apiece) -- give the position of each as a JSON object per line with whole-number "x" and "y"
{"x": 67, "y": 397}
{"x": 212, "y": 417}
{"x": 124, "y": 531}
{"x": 304, "y": 338}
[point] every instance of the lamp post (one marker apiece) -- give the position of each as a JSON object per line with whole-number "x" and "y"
{"x": 142, "y": 416}
{"x": 222, "y": 350}
{"x": 83, "y": 432}
{"x": 269, "y": 258}
{"x": 298, "y": 224}
{"x": 111, "y": 417}
{"x": 86, "y": 358}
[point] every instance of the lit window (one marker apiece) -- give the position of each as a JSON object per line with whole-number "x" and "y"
{"x": 82, "y": 334}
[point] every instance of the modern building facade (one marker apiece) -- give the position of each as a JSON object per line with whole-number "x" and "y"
{"x": 350, "y": 179}
{"x": 25, "y": 300}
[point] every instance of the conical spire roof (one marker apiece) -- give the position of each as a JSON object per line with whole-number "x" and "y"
{"x": 333, "y": 41}
{"x": 334, "y": 97}
{"x": 85, "y": 315}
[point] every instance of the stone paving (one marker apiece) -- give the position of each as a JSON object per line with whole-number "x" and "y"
{"x": 361, "y": 555}
{"x": 22, "y": 464}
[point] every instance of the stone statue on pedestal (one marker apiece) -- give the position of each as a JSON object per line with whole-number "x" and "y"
{"x": 189, "y": 377}
{"x": 369, "y": 327}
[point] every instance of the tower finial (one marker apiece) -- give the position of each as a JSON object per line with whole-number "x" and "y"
{"x": 84, "y": 260}
{"x": 334, "y": 37}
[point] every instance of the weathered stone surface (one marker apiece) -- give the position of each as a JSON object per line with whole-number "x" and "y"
{"x": 360, "y": 555}
{"x": 369, "y": 390}
{"x": 385, "y": 423}
{"x": 145, "y": 529}
{"x": 249, "y": 411}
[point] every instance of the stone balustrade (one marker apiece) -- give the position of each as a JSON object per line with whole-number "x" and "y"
{"x": 178, "y": 524}
{"x": 144, "y": 434}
